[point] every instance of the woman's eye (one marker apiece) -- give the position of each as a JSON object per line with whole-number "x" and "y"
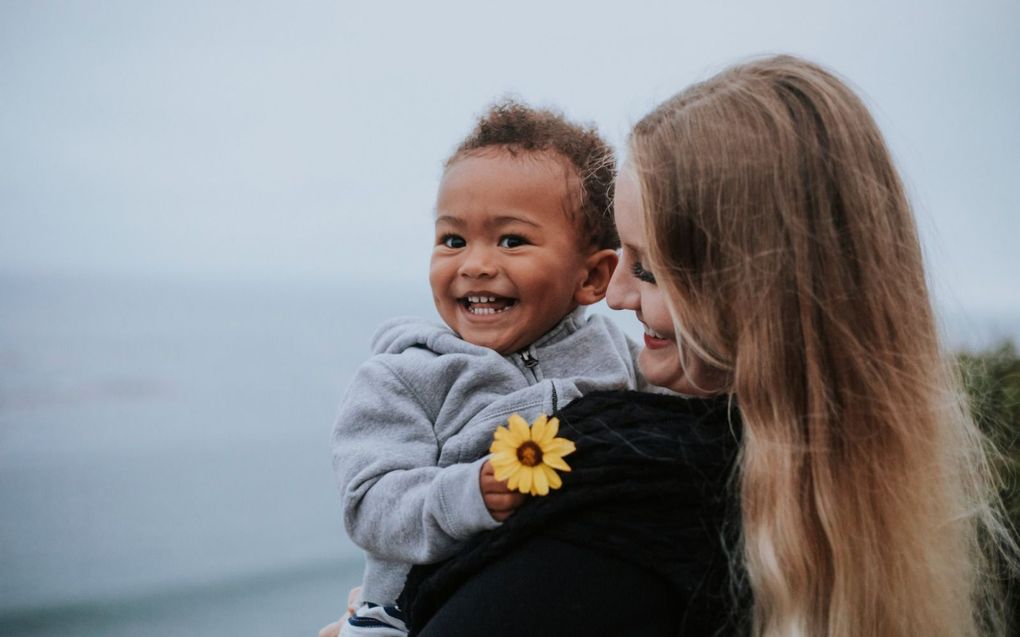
{"x": 452, "y": 241}
{"x": 641, "y": 274}
{"x": 512, "y": 241}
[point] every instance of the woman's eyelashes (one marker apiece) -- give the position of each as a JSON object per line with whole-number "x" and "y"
{"x": 641, "y": 274}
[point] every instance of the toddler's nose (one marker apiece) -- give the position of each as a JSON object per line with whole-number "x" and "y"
{"x": 479, "y": 263}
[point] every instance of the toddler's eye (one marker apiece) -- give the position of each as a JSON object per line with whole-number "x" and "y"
{"x": 641, "y": 274}
{"x": 452, "y": 241}
{"x": 512, "y": 241}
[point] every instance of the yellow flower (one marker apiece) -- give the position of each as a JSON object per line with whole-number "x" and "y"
{"x": 526, "y": 456}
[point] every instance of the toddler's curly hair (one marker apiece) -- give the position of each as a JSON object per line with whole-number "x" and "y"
{"x": 517, "y": 127}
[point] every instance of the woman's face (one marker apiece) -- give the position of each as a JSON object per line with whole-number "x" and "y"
{"x": 633, "y": 288}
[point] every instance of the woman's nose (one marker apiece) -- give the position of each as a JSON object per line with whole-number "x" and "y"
{"x": 622, "y": 293}
{"x": 478, "y": 262}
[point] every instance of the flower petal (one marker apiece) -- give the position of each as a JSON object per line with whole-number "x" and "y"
{"x": 541, "y": 482}
{"x": 552, "y": 477}
{"x": 504, "y": 472}
{"x": 538, "y": 429}
{"x": 527, "y": 475}
{"x": 502, "y": 433}
{"x": 551, "y": 429}
{"x": 502, "y": 466}
{"x": 503, "y": 446}
{"x": 519, "y": 429}
{"x": 559, "y": 447}
{"x": 506, "y": 456}
{"x": 514, "y": 478}
{"x": 501, "y": 474}
{"x": 555, "y": 462}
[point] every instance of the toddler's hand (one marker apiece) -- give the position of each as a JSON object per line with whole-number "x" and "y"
{"x": 499, "y": 500}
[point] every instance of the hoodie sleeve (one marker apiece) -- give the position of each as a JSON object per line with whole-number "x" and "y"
{"x": 397, "y": 504}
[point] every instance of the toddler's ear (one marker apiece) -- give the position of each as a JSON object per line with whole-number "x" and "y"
{"x": 599, "y": 268}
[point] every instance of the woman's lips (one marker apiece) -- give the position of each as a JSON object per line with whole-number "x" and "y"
{"x": 654, "y": 342}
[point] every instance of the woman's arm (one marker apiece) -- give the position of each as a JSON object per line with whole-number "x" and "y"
{"x": 552, "y": 588}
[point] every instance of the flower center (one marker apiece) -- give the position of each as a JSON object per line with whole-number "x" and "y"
{"x": 529, "y": 453}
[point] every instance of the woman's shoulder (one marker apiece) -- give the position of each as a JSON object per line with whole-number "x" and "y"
{"x": 649, "y": 421}
{"x": 663, "y": 405}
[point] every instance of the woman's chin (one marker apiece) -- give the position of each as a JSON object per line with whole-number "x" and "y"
{"x": 661, "y": 366}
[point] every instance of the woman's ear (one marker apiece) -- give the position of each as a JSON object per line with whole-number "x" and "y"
{"x": 599, "y": 268}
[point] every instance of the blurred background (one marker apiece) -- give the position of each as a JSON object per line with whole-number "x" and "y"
{"x": 207, "y": 207}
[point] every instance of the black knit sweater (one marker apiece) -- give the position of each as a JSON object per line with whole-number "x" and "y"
{"x": 636, "y": 542}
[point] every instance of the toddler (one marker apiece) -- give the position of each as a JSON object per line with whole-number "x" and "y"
{"x": 524, "y": 240}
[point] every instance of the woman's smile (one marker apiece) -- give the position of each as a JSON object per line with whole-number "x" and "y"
{"x": 654, "y": 340}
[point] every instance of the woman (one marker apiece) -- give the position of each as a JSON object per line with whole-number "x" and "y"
{"x": 772, "y": 256}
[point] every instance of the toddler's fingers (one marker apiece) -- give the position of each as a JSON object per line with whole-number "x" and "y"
{"x": 491, "y": 485}
{"x": 496, "y": 488}
{"x": 500, "y": 516}
{"x": 503, "y": 501}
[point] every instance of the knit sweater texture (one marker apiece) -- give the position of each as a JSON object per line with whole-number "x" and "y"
{"x": 636, "y": 542}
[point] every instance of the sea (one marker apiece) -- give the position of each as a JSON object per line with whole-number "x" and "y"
{"x": 164, "y": 449}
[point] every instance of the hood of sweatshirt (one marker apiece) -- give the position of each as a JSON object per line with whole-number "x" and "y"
{"x": 402, "y": 333}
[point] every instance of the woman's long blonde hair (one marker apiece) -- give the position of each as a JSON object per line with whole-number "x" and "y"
{"x": 779, "y": 230}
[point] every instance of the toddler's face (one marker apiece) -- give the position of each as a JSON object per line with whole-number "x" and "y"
{"x": 507, "y": 261}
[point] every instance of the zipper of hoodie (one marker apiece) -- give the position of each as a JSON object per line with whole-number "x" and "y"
{"x": 530, "y": 363}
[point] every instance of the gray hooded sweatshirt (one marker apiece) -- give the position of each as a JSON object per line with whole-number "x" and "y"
{"x": 417, "y": 420}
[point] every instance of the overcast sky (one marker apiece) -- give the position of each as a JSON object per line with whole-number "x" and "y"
{"x": 298, "y": 140}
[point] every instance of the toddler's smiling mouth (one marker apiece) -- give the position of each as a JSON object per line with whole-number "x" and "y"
{"x": 483, "y": 304}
